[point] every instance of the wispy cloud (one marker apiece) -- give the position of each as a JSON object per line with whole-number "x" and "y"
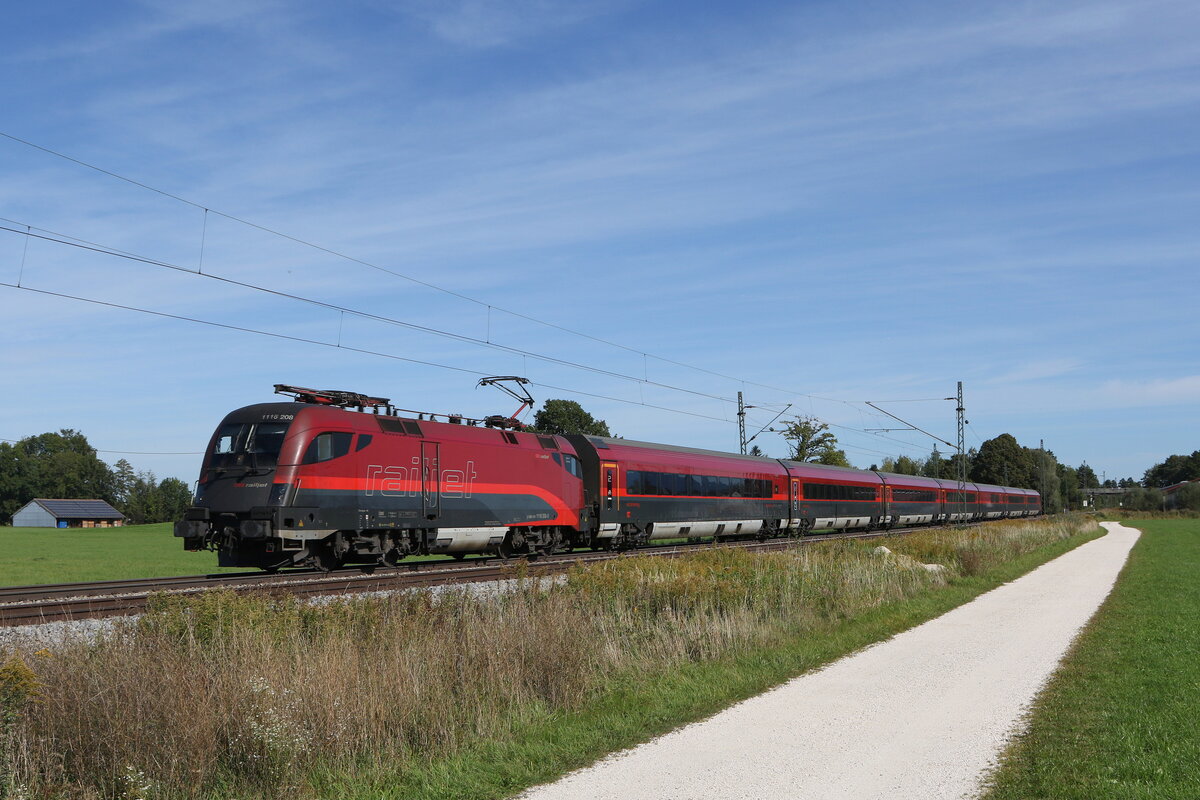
{"x": 490, "y": 23}
{"x": 790, "y": 195}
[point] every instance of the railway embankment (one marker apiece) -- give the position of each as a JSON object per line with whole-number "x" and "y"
{"x": 457, "y": 695}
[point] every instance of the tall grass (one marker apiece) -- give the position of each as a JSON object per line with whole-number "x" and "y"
{"x": 227, "y": 695}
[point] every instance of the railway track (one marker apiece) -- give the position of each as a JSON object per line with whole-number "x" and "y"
{"x": 31, "y": 605}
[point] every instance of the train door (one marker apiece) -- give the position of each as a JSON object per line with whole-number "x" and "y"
{"x": 431, "y": 479}
{"x": 609, "y": 487}
{"x": 794, "y": 504}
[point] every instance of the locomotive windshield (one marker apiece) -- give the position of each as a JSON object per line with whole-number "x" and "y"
{"x": 263, "y": 440}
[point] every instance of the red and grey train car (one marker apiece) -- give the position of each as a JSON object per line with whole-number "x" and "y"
{"x": 306, "y": 483}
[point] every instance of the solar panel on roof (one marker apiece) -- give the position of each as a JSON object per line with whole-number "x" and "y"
{"x": 80, "y": 509}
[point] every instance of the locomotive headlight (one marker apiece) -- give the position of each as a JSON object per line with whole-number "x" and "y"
{"x": 255, "y": 529}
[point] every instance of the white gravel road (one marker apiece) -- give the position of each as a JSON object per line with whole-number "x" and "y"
{"x": 922, "y": 715}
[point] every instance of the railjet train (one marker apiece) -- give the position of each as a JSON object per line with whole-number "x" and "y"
{"x": 324, "y": 482}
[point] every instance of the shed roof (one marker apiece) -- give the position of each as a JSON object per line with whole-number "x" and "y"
{"x": 79, "y": 509}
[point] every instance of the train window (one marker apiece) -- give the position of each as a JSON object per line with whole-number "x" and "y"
{"x": 266, "y": 438}
{"x": 571, "y": 463}
{"x": 633, "y": 481}
{"x": 364, "y": 439}
{"x": 327, "y": 446}
{"x": 913, "y": 496}
{"x": 227, "y": 438}
{"x": 557, "y": 458}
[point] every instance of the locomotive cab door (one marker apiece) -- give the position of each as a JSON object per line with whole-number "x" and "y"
{"x": 431, "y": 476}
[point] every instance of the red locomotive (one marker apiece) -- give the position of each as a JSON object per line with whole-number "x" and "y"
{"x": 323, "y": 482}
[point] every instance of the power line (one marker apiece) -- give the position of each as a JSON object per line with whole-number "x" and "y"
{"x": 126, "y": 452}
{"x": 394, "y": 273}
{"x": 335, "y": 346}
{"x": 329, "y": 251}
{"x": 71, "y": 241}
{"x": 57, "y": 237}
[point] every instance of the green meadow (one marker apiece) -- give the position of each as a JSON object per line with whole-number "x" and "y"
{"x": 67, "y": 555}
{"x": 1120, "y": 717}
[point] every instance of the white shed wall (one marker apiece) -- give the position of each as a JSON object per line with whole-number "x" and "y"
{"x": 31, "y": 515}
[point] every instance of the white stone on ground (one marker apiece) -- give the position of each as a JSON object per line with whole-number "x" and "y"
{"x": 922, "y": 715}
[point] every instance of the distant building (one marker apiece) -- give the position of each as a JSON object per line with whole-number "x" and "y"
{"x": 41, "y": 513}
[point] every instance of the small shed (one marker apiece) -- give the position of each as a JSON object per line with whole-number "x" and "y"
{"x": 42, "y": 513}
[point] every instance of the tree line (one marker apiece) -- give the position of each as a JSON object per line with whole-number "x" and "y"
{"x": 1004, "y": 461}
{"x": 63, "y": 465}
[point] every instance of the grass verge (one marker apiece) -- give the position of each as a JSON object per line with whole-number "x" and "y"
{"x": 68, "y": 555}
{"x": 1118, "y": 719}
{"x": 453, "y": 695}
{"x": 30, "y": 556}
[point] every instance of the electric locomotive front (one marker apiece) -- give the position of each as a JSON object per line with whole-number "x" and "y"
{"x": 316, "y": 484}
{"x": 244, "y": 507}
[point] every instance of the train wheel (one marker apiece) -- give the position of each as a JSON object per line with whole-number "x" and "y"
{"x": 323, "y": 558}
{"x": 505, "y": 548}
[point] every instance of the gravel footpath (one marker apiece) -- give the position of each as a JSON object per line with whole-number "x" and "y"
{"x": 922, "y": 715}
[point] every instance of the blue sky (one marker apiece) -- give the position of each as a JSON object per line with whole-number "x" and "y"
{"x": 822, "y": 203}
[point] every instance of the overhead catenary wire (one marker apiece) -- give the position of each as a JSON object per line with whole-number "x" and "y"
{"x": 71, "y": 241}
{"x": 130, "y": 452}
{"x": 206, "y": 210}
{"x": 360, "y": 350}
{"x": 68, "y": 240}
{"x": 395, "y": 273}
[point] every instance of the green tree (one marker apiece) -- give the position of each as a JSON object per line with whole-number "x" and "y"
{"x": 1175, "y": 469}
{"x": 54, "y": 465}
{"x": 1046, "y": 480}
{"x": 755, "y": 450}
{"x": 902, "y": 465}
{"x": 833, "y": 457}
{"x": 808, "y": 438}
{"x": 935, "y": 466}
{"x": 1185, "y": 497}
{"x": 1068, "y": 481}
{"x": 951, "y": 469}
{"x": 561, "y": 417}
{"x": 15, "y": 488}
{"x": 124, "y": 480}
{"x": 1002, "y": 461}
{"x": 1087, "y": 477}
